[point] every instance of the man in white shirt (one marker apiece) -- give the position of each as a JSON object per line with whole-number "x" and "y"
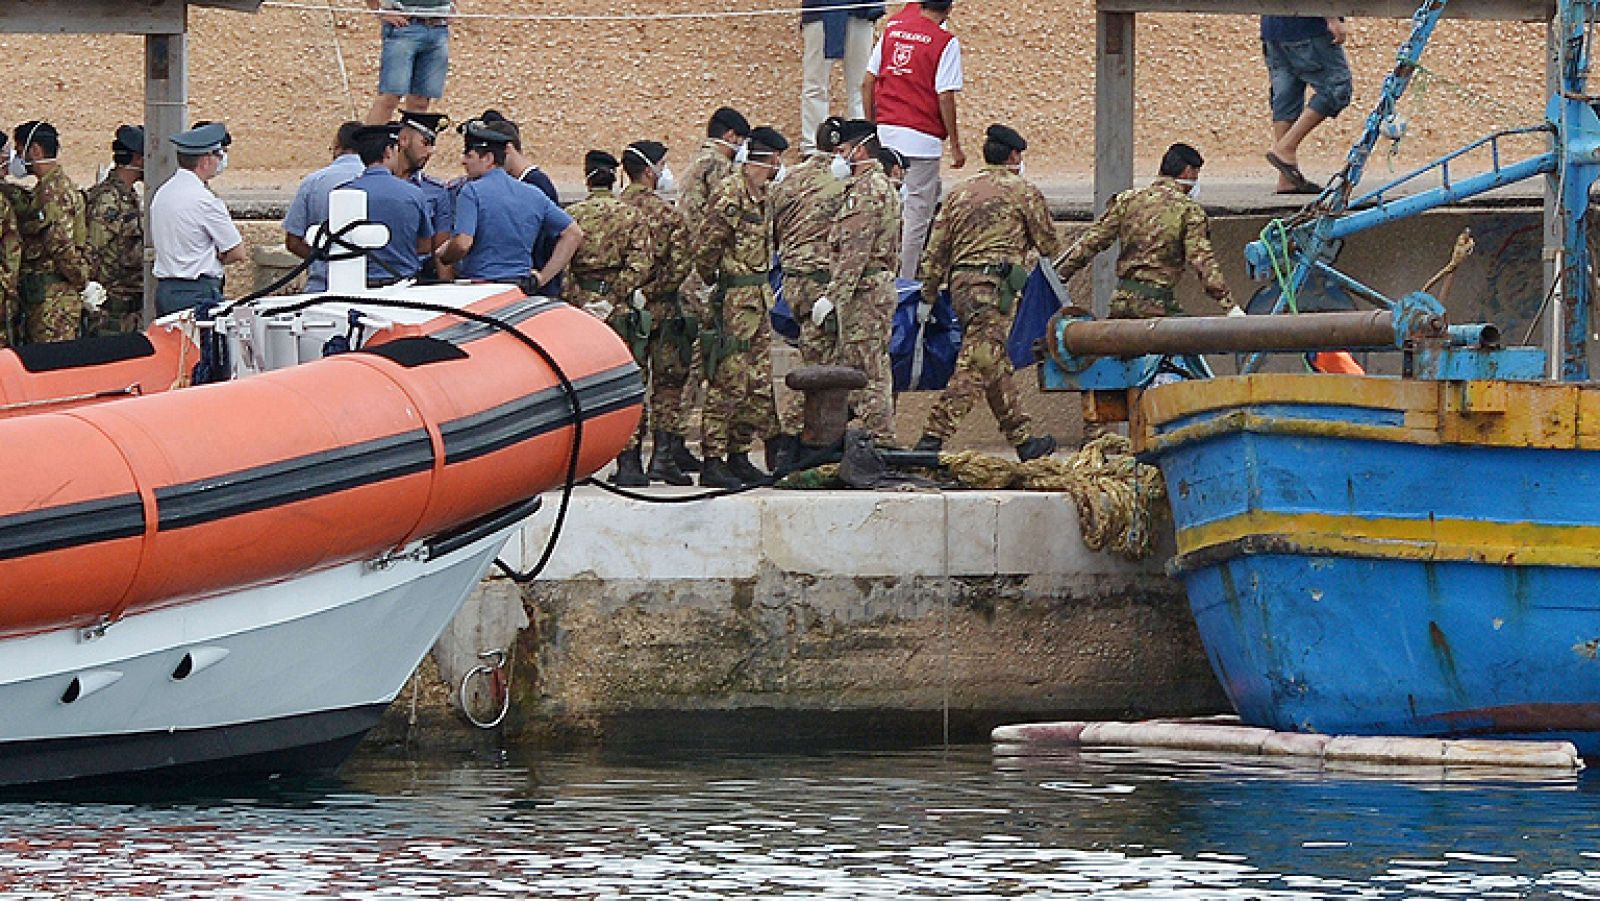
{"x": 910, "y": 90}
{"x": 193, "y": 234}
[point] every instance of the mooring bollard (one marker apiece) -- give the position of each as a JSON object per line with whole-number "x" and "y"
{"x": 827, "y": 390}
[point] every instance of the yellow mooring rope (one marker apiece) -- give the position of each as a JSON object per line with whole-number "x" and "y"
{"x": 1119, "y": 499}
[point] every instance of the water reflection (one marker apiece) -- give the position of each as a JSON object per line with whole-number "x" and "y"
{"x": 962, "y": 823}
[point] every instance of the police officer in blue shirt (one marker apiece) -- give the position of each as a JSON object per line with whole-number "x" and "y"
{"x": 419, "y": 133}
{"x": 395, "y": 204}
{"x": 498, "y": 219}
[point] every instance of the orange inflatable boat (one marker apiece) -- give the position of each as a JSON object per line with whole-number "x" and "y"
{"x": 123, "y": 495}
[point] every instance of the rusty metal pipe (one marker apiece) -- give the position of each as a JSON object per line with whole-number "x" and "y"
{"x": 1235, "y": 334}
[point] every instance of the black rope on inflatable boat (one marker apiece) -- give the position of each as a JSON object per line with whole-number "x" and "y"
{"x": 567, "y": 388}
{"x": 322, "y": 248}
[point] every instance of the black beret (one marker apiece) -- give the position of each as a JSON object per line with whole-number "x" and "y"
{"x": 129, "y": 139}
{"x": 766, "y": 139}
{"x": 31, "y": 130}
{"x": 493, "y": 115}
{"x": 598, "y": 159}
{"x": 828, "y": 134}
{"x": 651, "y": 151}
{"x": 732, "y": 120}
{"x": 856, "y": 130}
{"x": 1007, "y": 136}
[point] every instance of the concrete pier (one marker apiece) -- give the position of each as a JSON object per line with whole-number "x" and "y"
{"x": 779, "y": 615}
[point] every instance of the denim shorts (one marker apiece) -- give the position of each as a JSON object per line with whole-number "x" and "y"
{"x": 1318, "y": 63}
{"x": 414, "y": 60}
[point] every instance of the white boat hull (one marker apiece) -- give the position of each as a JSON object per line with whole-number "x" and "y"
{"x": 284, "y": 676}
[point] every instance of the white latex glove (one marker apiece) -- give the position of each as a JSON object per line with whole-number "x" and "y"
{"x": 94, "y": 295}
{"x": 638, "y": 299}
{"x": 1235, "y": 311}
{"x": 599, "y": 309}
{"x": 820, "y": 311}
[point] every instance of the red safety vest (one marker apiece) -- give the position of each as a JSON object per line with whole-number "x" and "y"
{"x": 904, "y": 93}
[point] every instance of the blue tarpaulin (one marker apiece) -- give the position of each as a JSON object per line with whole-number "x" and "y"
{"x": 939, "y": 340}
{"x": 1037, "y": 305}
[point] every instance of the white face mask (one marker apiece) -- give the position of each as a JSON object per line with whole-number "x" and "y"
{"x": 905, "y": 192}
{"x": 741, "y": 153}
{"x": 1193, "y": 184}
{"x": 1022, "y": 169}
{"x": 222, "y": 162}
{"x": 15, "y": 167}
{"x": 840, "y": 167}
{"x": 781, "y": 174}
{"x": 664, "y": 180}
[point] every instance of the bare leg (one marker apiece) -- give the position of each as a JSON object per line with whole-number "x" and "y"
{"x": 417, "y": 104}
{"x": 1287, "y": 146}
{"x": 1279, "y": 129}
{"x": 383, "y": 107}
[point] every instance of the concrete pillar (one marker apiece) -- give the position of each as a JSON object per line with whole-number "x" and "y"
{"x": 1113, "y": 132}
{"x": 166, "y": 112}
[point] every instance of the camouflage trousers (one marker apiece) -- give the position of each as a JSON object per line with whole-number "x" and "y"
{"x": 58, "y": 317}
{"x": 1128, "y": 305}
{"x": 819, "y": 345}
{"x": 619, "y": 322}
{"x": 865, "y": 322}
{"x": 670, "y": 360}
{"x": 983, "y": 368}
{"x": 739, "y": 398}
{"x": 118, "y": 316}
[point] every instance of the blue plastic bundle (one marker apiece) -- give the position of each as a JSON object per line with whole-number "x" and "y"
{"x": 1034, "y": 310}
{"x": 923, "y": 354}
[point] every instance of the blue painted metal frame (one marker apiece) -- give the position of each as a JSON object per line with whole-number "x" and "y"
{"x": 1574, "y": 162}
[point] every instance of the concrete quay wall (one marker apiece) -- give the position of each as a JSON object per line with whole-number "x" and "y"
{"x": 778, "y": 615}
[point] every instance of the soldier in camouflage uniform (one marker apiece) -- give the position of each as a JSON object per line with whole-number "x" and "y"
{"x": 804, "y": 205}
{"x": 1161, "y": 229}
{"x": 674, "y": 324}
{"x": 55, "y": 268}
{"x": 608, "y": 268}
{"x": 864, "y": 245}
{"x": 14, "y": 204}
{"x": 116, "y": 236}
{"x": 733, "y": 252}
{"x": 983, "y": 240}
{"x": 725, "y": 136}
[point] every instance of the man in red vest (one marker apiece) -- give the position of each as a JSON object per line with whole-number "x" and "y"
{"x": 910, "y": 91}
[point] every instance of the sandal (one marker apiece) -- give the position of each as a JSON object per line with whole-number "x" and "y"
{"x": 1302, "y": 185}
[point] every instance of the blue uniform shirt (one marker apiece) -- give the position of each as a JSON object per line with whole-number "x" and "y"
{"x": 401, "y": 207}
{"x": 441, "y": 206}
{"x": 546, "y": 248}
{"x": 310, "y": 207}
{"x": 505, "y": 218}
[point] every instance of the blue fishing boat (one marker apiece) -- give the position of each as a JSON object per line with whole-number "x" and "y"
{"x": 1417, "y": 555}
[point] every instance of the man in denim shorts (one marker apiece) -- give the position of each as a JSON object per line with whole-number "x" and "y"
{"x": 1302, "y": 52}
{"x": 416, "y": 53}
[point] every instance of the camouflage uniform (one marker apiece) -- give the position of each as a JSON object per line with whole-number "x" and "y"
{"x": 706, "y": 171}
{"x": 612, "y": 262}
{"x": 981, "y": 241}
{"x": 10, "y": 263}
{"x": 674, "y": 323}
{"x": 733, "y": 251}
{"x": 864, "y": 244}
{"x": 803, "y": 209}
{"x": 54, "y": 265}
{"x": 1161, "y": 229}
{"x": 116, "y": 254}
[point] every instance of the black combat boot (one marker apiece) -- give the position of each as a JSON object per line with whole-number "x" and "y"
{"x": 929, "y": 444}
{"x": 714, "y": 474}
{"x": 662, "y": 467}
{"x": 781, "y": 452}
{"x": 685, "y": 458}
{"x": 629, "y": 474}
{"x": 1033, "y": 448}
{"x": 739, "y": 464}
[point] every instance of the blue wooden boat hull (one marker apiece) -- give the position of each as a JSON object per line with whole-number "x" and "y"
{"x": 1382, "y": 560}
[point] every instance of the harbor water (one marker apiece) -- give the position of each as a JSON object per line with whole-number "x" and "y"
{"x": 950, "y": 822}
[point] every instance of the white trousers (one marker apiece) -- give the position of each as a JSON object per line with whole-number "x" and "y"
{"x": 858, "y": 41}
